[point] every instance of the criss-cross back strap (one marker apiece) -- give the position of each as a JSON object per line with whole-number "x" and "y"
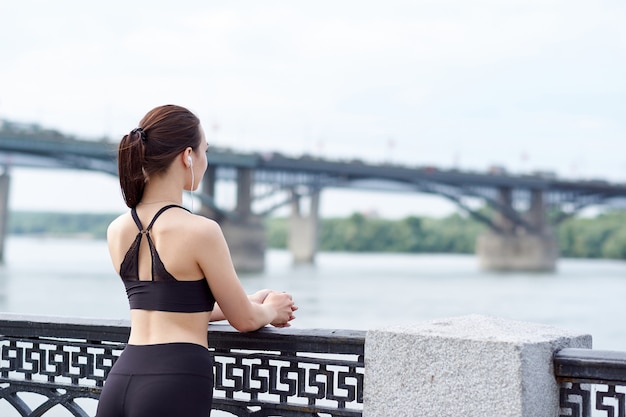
{"x": 133, "y": 212}
{"x": 153, "y": 254}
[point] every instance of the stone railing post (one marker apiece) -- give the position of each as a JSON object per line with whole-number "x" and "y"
{"x": 471, "y": 366}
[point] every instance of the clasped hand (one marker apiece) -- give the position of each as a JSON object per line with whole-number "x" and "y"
{"x": 282, "y": 302}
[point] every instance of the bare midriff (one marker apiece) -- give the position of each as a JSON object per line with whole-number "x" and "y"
{"x": 150, "y": 327}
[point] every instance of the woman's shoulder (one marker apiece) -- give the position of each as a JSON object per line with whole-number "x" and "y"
{"x": 187, "y": 223}
{"x": 191, "y": 230}
{"x": 118, "y": 223}
{"x": 119, "y": 234}
{"x": 200, "y": 225}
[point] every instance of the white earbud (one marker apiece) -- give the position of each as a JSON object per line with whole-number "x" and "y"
{"x": 192, "y": 178}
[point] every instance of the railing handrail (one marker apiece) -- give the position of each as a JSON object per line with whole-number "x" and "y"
{"x": 23, "y": 325}
{"x": 589, "y": 365}
{"x": 588, "y": 381}
{"x": 312, "y": 340}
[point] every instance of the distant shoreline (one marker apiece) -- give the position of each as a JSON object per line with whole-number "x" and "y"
{"x": 601, "y": 237}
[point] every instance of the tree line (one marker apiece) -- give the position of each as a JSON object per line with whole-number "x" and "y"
{"x": 59, "y": 224}
{"x": 602, "y": 236}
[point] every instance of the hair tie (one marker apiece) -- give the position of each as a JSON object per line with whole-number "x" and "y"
{"x": 139, "y": 130}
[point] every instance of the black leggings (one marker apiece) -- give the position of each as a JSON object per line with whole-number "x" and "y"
{"x": 172, "y": 379}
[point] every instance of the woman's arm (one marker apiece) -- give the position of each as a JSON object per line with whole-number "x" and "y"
{"x": 234, "y": 305}
{"x": 258, "y": 297}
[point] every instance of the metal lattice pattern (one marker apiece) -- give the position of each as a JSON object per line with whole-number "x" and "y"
{"x": 328, "y": 384}
{"x": 587, "y": 400}
{"x": 269, "y": 373}
{"x": 59, "y": 370}
{"x": 58, "y": 362}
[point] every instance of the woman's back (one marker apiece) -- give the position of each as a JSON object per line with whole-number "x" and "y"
{"x": 170, "y": 234}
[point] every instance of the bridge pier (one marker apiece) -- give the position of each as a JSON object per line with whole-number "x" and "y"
{"x": 246, "y": 241}
{"x": 207, "y": 188}
{"x": 244, "y": 231}
{"x": 302, "y": 238}
{"x": 5, "y": 182}
{"x": 515, "y": 247}
{"x": 500, "y": 252}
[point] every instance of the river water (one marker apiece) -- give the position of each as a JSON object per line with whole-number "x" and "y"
{"x": 74, "y": 277}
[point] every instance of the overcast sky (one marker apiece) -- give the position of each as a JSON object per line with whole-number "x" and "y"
{"x": 526, "y": 84}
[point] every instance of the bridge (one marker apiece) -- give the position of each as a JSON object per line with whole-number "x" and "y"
{"x": 526, "y": 208}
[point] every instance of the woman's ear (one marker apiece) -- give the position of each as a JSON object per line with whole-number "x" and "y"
{"x": 187, "y": 157}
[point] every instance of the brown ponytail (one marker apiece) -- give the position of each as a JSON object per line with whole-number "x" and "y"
{"x": 149, "y": 150}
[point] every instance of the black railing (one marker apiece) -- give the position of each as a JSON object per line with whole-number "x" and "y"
{"x": 49, "y": 363}
{"x": 57, "y": 363}
{"x": 592, "y": 382}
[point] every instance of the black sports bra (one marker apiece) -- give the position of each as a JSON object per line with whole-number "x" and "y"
{"x": 163, "y": 292}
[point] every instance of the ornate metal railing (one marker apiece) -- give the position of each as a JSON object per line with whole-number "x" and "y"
{"x": 50, "y": 363}
{"x": 593, "y": 382}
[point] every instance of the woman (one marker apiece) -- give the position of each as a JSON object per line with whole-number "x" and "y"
{"x": 178, "y": 275}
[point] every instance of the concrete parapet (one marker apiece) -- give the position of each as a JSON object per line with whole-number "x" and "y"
{"x": 466, "y": 366}
{"x": 504, "y": 252}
